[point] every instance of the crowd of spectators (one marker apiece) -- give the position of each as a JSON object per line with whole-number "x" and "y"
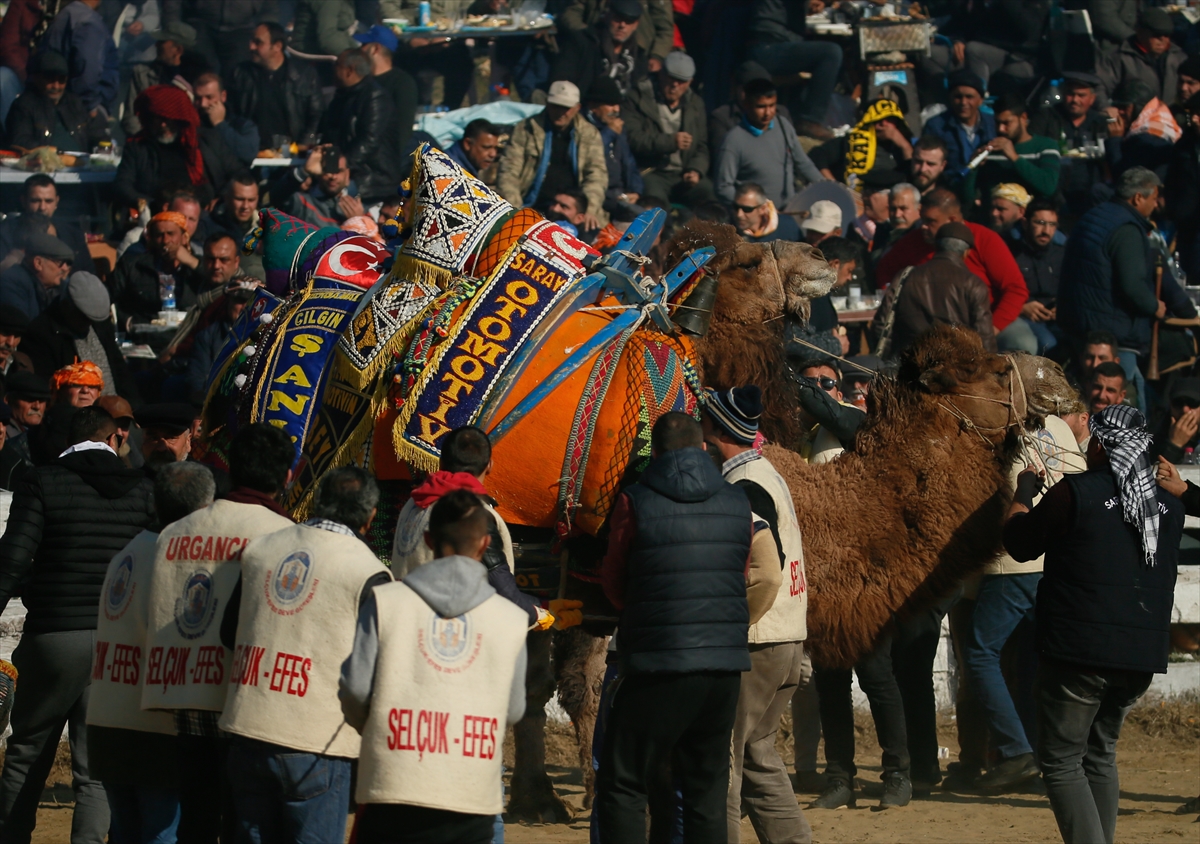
{"x": 1012, "y": 178}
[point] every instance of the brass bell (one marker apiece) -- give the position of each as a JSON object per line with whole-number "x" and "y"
{"x": 694, "y": 315}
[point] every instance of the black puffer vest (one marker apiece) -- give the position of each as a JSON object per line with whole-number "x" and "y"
{"x": 1098, "y": 603}
{"x": 685, "y": 607}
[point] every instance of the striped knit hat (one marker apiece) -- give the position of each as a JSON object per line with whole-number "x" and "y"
{"x": 736, "y": 411}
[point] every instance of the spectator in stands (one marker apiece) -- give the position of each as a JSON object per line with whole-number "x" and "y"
{"x": 824, "y": 220}
{"x": 80, "y": 34}
{"x": 21, "y": 21}
{"x": 39, "y": 195}
{"x": 777, "y": 43}
{"x": 873, "y": 222}
{"x": 1183, "y": 189}
{"x": 77, "y": 384}
{"x": 603, "y": 110}
{"x": 33, "y": 284}
{"x": 1075, "y": 123}
{"x": 758, "y": 220}
{"x": 1007, "y": 43}
{"x": 942, "y": 290}
{"x": 138, "y": 280}
{"x": 963, "y": 126}
{"x": 238, "y": 214}
{"x": 724, "y": 117}
{"x": 362, "y": 121}
{"x": 210, "y": 339}
{"x": 531, "y": 175}
{"x": 239, "y": 133}
{"x": 174, "y": 64}
{"x": 904, "y": 211}
{"x": 478, "y": 148}
{"x": 171, "y": 152}
{"x": 763, "y": 148}
{"x": 1113, "y": 21}
{"x": 1014, "y": 156}
{"x": 668, "y": 133}
{"x": 379, "y": 45}
{"x": 927, "y": 167}
{"x": 1180, "y": 427}
{"x": 281, "y": 96}
{"x": 572, "y": 206}
{"x": 27, "y": 395}
{"x": 1189, "y": 80}
{"x": 989, "y": 259}
{"x": 1143, "y": 131}
{"x": 1148, "y": 56}
{"x": 223, "y": 29}
{"x": 78, "y": 326}
{"x": 1106, "y": 386}
{"x": 880, "y": 140}
{"x": 321, "y": 192}
{"x": 1041, "y": 260}
{"x": 322, "y": 27}
{"x": 655, "y": 32}
{"x": 1107, "y": 281}
{"x": 1007, "y": 207}
{"x": 68, "y": 520}
{"x": 13, "y": 325}
{"x": 47, "y": 114}
{"x": 608, "y": 48}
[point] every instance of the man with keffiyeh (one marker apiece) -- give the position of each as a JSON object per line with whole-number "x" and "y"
{"x": 1111, "y": 540}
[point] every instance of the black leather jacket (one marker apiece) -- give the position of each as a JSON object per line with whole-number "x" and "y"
{"x": 301, "y": 96}
{"x": 362, "y": 121}
{"x": 32, "y": 116}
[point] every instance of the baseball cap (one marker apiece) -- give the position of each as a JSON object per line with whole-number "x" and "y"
{"x": 631, "y": 9}
{"x": 116, "y": 406}
{"x": 824, "y": 216}
{"x": 1156, "y": 21}
{"x": 181, "y": 33}
{"x": 45, "y": 245}
{"x": 564, "y": 94}
{"x": 26, "y": 385}
{"x": 89, "y": 294}
{"x": 12, "y": 320}
{"x": 680, "y": 65}
{"x": 379, "y": 34}
{"x": 49, "y": 63}
{"x": 956, "y": 230}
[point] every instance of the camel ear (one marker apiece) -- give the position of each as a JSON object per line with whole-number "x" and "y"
{"x": 937, "y": 380}
{"x": 744, "y": 255}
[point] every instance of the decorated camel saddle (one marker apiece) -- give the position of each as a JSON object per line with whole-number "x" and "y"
{"x": 480, "y": 314}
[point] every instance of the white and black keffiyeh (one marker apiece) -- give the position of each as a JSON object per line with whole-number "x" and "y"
{"x": 1121, "y": 429}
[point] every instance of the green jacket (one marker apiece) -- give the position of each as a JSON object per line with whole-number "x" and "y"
{"x": 655, "y": 32}
{"x": 322, "y": 27}
{"x": 650, "y": 144}
{"x": 1036, "y": 169}
{"x": 522, "y": 157}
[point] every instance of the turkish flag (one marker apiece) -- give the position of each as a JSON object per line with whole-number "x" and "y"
{"x": 355, "y": 260}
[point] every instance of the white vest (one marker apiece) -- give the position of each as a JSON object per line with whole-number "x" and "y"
{"x": 434, "y": 735}
{"x": 196, "y": 566}
{"x": 300, "y": 591}
{"x": 119, "y": 661}
{"x": 786, "y": 620}
{"x": 825, "y": 446}
{"x": 409, "y": 549}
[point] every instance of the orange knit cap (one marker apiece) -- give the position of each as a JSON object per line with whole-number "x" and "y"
{"x": 84, "y": 374}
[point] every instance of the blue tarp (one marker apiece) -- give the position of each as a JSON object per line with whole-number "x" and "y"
{"x": 448, "y": 126}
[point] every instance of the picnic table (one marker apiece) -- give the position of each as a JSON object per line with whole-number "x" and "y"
{"x": 73, "y": 176}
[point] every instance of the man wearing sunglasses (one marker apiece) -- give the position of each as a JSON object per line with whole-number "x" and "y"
{"x": 47, "y": 114}
{"x": 33, "y": 284}
{"x": 757, "y": 219}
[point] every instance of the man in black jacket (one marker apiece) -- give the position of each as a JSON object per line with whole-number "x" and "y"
{"x": 609, "y": 48}
{"x": 1008, "y": 43}
{"x": 67, "y": 521}
{"x": 279, "y": 95}
{"x": 1040, "y": 258}
{"x": 40, "y": 196}
{"x": 675, "y": 568}
{"x": 137, "y": 280}
{"x": 49, "y": 115}
{"x": 363, "y": 122}
{"x": 1111, "y": 540}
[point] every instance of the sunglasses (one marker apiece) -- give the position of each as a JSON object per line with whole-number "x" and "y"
{"x": 826, "y": 383}
{"x": 748, "y": 209}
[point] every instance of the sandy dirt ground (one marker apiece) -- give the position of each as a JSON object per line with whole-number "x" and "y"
{"x": 1159, "y": 759}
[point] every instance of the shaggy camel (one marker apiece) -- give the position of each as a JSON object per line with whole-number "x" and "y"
{"x": 888, "y": 527}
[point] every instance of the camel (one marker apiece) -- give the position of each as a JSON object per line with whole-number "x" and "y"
{"x": 890, "y": 526}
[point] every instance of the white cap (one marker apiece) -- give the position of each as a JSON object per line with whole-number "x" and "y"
{"x": 824, "y": 216}
{"x": 563, "y": 93}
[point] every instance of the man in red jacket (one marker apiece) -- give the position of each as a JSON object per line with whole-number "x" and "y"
{"x": 990, "y": 259}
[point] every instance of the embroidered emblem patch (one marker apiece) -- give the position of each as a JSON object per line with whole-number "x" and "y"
{"x": 291, "y": 585}
{"x": 449, "y": 644}
{"x": 120, "y": 590}
{"x": 194, "y": 610}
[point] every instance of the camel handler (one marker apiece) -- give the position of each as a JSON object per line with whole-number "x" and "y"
{"x": 435, "y": 676}
{"x": 130, "y": 750}
{"x": 758, "y": 778}
{"x": 196, "y": 567}
{"x": 289, "y": 639}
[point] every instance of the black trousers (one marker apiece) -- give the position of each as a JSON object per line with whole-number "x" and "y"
{"x": 657, "y": 720}
{"x": 395, "y": 823}
{"x": 887, "y": 709}
{"x": 206, "y": 813}
{"x": 914, "y": 648}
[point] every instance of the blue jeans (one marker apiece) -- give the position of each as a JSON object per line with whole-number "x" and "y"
{"x": 1017, "y": 336}
{"x": 284, "y": 796}
{"x": 823, "y": 60}
{"x": 1047, "y": 334}
{"x": 1004, "y": 601}
{"x": 140, "y": 815}
{"x": 1129, "y": 362}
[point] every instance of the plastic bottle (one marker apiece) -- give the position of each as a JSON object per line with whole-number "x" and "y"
{"x": 1189, "y": 458}
{"x": 166, "y": 291}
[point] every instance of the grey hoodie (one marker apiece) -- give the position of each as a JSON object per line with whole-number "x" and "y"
{"x": 451, "y": 586}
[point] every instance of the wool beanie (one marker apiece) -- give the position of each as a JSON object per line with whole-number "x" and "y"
{"x": 737, "y": 411}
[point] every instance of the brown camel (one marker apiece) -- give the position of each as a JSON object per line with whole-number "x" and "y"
{"x": 894, "y": 524}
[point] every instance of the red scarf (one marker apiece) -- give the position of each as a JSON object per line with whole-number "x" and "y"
{"x": 440, "y": 483}
{"x": 171, "y": 103}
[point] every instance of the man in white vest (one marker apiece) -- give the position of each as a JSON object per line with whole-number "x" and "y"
{"x": 196, "y": 566}
{"x": 758, "y": 779}
{"x": 291, "y": 750}
{"x": 132, "y": 751}
{"x": 436, "y": 675}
